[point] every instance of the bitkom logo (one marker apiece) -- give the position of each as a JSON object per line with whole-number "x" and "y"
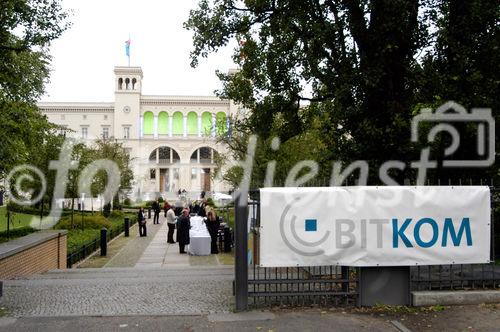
{"x": 344, "y": 233}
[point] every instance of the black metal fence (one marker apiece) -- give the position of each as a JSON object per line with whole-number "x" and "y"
{"x": 92, "y": 246}
{"x": 336, "y": 285}
{"x": 322, "y": 285}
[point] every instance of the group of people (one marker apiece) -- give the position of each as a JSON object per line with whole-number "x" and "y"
{"x": 181, "y": 221}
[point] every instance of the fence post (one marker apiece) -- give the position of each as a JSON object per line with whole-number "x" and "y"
{"x": 104, "y": 243}
{"x": 127, "y": 226}
{"x": 241, "y": 256}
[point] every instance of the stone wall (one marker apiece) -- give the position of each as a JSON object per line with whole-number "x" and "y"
{"x": 32, "y": 254}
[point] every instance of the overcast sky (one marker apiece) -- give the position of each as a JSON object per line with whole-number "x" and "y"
{"x": 84, "y": 57}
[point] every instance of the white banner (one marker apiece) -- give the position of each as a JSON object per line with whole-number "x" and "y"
{"x": 375, "y": 226}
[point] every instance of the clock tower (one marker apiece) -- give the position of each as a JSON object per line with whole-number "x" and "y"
{"x": 128, "y": 86}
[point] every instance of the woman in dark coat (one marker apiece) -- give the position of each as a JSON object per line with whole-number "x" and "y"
{"x": 183, "y": 226}
{"x": 213, "y": 223}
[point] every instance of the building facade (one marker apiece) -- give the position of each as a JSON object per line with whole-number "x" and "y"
{"x": 170, "y": 139}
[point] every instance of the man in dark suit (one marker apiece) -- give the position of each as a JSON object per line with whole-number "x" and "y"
{"x": 156, "y": 209}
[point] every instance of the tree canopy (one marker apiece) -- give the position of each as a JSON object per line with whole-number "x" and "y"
{"x": 362, "y": 68}
{"x": 27, "y": 28}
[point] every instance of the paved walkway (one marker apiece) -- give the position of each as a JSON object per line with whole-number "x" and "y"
{"x": 159, "y": 253}
{"x": 121, "y": 291}
{"x": 146, "y": 276}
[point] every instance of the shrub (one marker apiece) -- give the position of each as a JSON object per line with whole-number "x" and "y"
{"x": 15, "y": 233}
{"x": 160, "y": 199}
{"x": 106, "y": 211}
{"x": 116, "y": 214}
{"x": 127, "y": 202}
{"x": 210, "y": 202}
{"x": 149, "y": 203}
{"x": 89, "y": 222}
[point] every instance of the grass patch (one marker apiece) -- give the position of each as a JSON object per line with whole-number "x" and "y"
{"x": 17, "y": 220}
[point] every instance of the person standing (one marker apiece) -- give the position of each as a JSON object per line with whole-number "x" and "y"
{"x": 156, "y": 211}
{"x": 213, "y": 223}
{"x": 170, "y": 224}
{"x": 166, "y": 207}
{"x": 142, "y": 223}
{"x": 183, "y": 226}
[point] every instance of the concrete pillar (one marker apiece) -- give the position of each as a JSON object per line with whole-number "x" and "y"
{"x": 185, "y": 125}
{"x": 199, "y": 125}
{"x": 157, "y": 179}
{"x": 155, "y": 126}
{"x": 170, "y": 178}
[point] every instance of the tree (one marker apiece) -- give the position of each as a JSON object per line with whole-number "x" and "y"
{"x": 356, "y": 65}
{"x": 114, "y": 151}
{"x": 27, "y": 27}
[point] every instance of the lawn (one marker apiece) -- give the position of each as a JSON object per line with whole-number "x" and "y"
{"x": 17, "y": 220}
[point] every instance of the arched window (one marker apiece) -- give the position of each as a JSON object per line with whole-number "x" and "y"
{"x": 148, "y": 123}
{"x": 120, "y": 83}
{"x": 163, "y": 123}
{"x": 134, "y": 82}
{"x": 221, "y": 123}
{"x": 192, "y": 123}
{"x": 206, "y": 123}
{"x": 127, "y": 84}
{"x": 178, "y": 124}
{"x": 166, "y": 155}
{"x": 204, "y": 155}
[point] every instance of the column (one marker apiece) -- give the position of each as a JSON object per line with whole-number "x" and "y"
{"x": 155, "y": 126}
{"x": 158, "y": 155}
{"x": 170, "y": 120}
{"x": 141, "y": 127}
{"x": 185, "y": 125}
{"x": 170, "y": 178}
{"x": 157, "y": 179}
{"x": 199, "y": 125}
{"x": 213, "y": 124}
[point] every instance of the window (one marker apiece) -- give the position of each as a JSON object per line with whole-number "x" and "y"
{"x": 62, "y": 131}
{"x": 105, "y": 132}
{"x": 152, "y": 173}
{"x": 126, "y": 132}
{"x": 194, "y": 173}
{"x": 105, "y": 117}
{"x": 85, "y": 131}
{"x": 85, "y": 117}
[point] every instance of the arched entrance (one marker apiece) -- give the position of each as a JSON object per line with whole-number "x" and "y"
{"x": 164, "y": 168}
{"x": 203, "y": 167}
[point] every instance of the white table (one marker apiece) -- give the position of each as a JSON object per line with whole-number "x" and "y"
{"x": 199, "y": 238}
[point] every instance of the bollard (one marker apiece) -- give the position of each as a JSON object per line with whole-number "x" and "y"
{"x": 127, "y": 226}
{"x": 227, "y": 239}
{"x": 149, "y": 213}
{"x": 104, "y": 243}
